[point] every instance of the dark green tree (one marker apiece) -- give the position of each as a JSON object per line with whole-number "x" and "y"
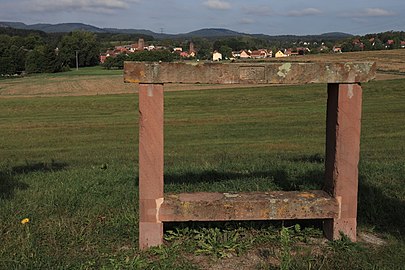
{"x": 203, "y": 47}
{"x": 43, "y": 59}
{"x": 226, "y": 51}
{"x": 116, "y": 62}
{"x": 86, "y": 46}
{"x": 378, "y": 45}
{"x": 35, "y": 60}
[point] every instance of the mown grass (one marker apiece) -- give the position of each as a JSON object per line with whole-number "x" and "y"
{"x": 69, "y": 164}
{"x": 82, "y": 71}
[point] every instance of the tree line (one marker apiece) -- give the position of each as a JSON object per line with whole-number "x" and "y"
{"x": 378, "y": 41}
{"x": 33, "y": 52}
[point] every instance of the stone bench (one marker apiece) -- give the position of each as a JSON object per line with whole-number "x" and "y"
{"x": 336, "y": 204}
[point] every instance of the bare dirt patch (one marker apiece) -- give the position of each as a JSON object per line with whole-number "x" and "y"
{"x": 83, "y": 86}
{"x": 64, "y": 86}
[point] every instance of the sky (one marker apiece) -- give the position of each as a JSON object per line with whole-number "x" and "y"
{"x": 249, "y": 16}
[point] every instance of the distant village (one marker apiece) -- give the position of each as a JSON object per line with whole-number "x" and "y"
{"x": 242, "y": 54}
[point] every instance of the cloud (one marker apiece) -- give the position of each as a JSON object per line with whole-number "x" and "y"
{"x": 217, "y": 4}
{"x": 369, "y": 12}
{"x": 304, "y": 12}
{"x": 376, "y": 12}
{"x": 262, "y": 11}
{"x": 105, "y": 6}
{"x": 246, "y": 21}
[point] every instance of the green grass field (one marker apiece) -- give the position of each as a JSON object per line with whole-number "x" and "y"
{"x": 69, "y": 164}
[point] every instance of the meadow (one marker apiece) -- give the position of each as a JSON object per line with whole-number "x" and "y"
{"x": 69, "y": 165}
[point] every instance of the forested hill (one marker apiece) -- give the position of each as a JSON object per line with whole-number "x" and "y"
{"x": 203, "y": 33}
{"x": 20, "y": 32}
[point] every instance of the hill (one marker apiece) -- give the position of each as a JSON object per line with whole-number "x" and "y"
{"x": 53, "y": 28}
{"x": 64, "y": 27}
{"x": 214, "y": 32}
{"x": 205, "y": 32}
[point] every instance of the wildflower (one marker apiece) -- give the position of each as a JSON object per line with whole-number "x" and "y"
{"x": 25, "y": 220}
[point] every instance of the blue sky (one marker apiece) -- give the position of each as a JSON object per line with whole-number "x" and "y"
{"x": 254, "y": 16}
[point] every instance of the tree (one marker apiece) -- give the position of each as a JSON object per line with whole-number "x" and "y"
{"x": 12, "y": 55}
{"x": 43, "y": 59}
{"x": 347, "y": 47}
{"x": 226, "y": 51}
{"x": 32, "y": 41}
{"x": 86, "y": 46}
{"x": 35, "y": 60}
{"x": 378, "y": 45}
{"x": 17, "y": 59}
{"x": 152, "y": 56}
{"x": 116, "y": 62}
{"x": 367, "y": 44}
{"x": 203, "y": 47}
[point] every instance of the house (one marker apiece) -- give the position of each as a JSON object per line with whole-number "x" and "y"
{"x": 244, "y": 54}
{"x": 184, "y": 54}
{"x": 337, "y": 49}
{"x": 403, "y": 44}
{"x": 103, "y": 57}
{"x": 303, "y": 50}
{"x": 280, "y": 54}
{"x": 216, "y": 56}
{"x": 177, "y": 49}
{"x": 121, "y": 49}
{"x": 259, "y": 54}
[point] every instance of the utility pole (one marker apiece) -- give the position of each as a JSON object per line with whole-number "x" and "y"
{"x": 77, "y": 60}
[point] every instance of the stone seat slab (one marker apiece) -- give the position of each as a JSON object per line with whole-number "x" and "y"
{"x": 274, "y": 205}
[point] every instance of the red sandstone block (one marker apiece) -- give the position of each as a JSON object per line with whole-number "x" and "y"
{"x": 150, "y": 164}
{"x": 342, "y": 155}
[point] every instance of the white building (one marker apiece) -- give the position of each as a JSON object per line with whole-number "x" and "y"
{"x": 216, "y": 56}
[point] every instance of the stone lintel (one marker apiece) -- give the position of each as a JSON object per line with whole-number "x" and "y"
{"x": 275, "y": 205}
{"x": 249, "y": 73}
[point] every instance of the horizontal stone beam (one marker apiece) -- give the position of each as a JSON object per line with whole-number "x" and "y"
{"x": 249, "y": 73}
{"x": 275, "y": 205}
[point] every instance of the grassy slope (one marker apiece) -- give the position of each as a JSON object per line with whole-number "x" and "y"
{"x": 70, "y": 165}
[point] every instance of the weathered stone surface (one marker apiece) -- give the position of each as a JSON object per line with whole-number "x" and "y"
{"x": 150, "y": 164}
{"x": 249, "y": 73}
{"x": 342, "y": 155}
{"x": 276, "y": 205}
{"x": 150, "y": 234}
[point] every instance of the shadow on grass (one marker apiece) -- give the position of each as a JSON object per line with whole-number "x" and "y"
{"x": 375, "y": 209}
{"x": 8, "y": 178}
{"x": 316, "y": 158}
{"x": 39, "y": 167}
{"x": 281, "y": 178}
{"x": 254, "y": 224}
{"x": 8, "y": 184}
